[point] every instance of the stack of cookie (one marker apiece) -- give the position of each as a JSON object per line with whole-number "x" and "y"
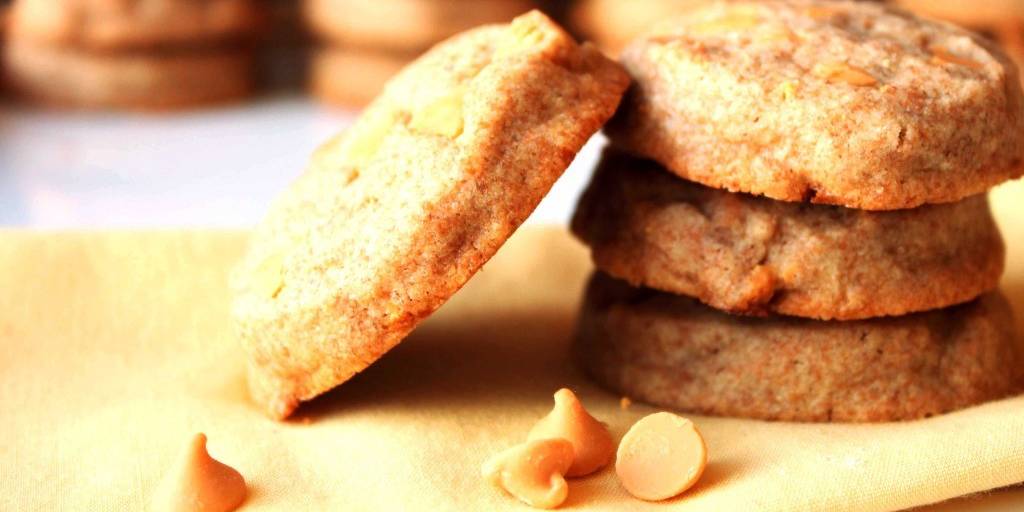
{"x": 614, "y": 23}
{"x": 793, "y": 223}
{"x": 156, "y": 54}
{"x": 366, "y": 42}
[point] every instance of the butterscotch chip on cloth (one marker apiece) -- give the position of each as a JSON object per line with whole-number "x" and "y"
{"x": 128, "y": 24}
{"x": 396, "y": 214}
{"x": 675, "y": 352}
{"x": 140, "y": 81}
{"x": 405, "y": 25}
{"x": 352, "y": 77}
{"x": 753, "y": 255}
{"x": 847, "y": 103}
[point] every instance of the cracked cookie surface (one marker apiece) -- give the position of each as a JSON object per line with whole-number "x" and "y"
{"x": 752, "y": 255}
{"x": 847, "y": 103}
{"x": 394, "y": 215}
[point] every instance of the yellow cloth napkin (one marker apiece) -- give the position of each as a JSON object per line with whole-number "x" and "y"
{"x": 115, "y": 349}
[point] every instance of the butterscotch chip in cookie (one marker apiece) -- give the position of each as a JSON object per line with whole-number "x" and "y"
{"x": 675, "y": 352}
{"x": 404, "y": 25}
{"x": 863, "y": 106}
{"x": 395, "y": 215}
{"x": 352, "y": 77}
{"x": 753, "y": 255}
{"x": 68, "y": 77}
{"x": 134, "y": 24}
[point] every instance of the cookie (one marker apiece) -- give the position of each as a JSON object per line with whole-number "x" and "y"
{"x": 404, "y": 25}
{"x": 134, "y": 24}
{"x": 674, "y": 352}
{"x": 140, "y": 81}
{"x": 394, "y": 215}
{"x": 747, "y": 254}
{"x": 613, "y": 23}
{"x": 352, "y": 77}
{"x": 846, "y": 103}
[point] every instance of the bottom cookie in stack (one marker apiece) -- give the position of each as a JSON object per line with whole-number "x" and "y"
{"x": 70, "y": 77}
{"x": 675, "y": 352}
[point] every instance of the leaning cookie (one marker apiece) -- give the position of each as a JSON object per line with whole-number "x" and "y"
{"x": 120, "y": 25}
{"x": 396, "y": 214}
{"x": 674, "y": 352}
{"x": 352, "y": 77}
{"x": 140, "y": 81}
{"x": 404, "y": 25}
{"x": 846, "y": 103}
{"x": 748, "y": 254}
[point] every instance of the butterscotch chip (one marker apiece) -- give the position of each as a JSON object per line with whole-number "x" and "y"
{"x": 674, "y": 352}
{"x": 138, "y": 81}
{"x": 880, "y": 123}
{"x": 661, "y": 456}
{"x": 533, "y": 472}
{"x": 404, "y": 25}
{"x": 200, "y": 483}
{"x": 592, "y": 444}
{"x": 396, "y": 214}
{"x": 753, "y": 255}
{"x": 119, "y": 25}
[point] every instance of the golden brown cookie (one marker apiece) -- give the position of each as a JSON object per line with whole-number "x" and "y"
{"x": 748, "y": 254}
{"x": 404, "y": 25}
{"x": 133, "y": 24}
{"x": 614, "y": 23}
{"x": 970, "y": 14}
{"x": 846, "y": 103}
{"x": 352, "y": 77}
{"x": 675, "y": 352}
{"x": 393, "y": 216}
{"x": 141, "y": 81}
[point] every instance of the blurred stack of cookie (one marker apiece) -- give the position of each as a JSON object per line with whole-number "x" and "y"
{"x": 133, "y": 54}
{"x": 611, "y": 24}
{"x": 366, "y": 42}
{"x": 1002, "y": 20}
{"x": 792, "y": 223}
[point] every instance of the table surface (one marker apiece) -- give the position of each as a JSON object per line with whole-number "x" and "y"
{"x": 213, "y": 168}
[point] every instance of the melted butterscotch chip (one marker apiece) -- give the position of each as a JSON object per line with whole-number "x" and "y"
{"x": 442, "y": 117}
{"x": 841, "y": 72}
{"x": 732, "y": 22}
{"x": 268, "y": 277}
{"x": 199, "y": 483}
{"x": 941, "y": 55}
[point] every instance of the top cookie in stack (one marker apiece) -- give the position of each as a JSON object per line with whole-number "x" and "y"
{"x": 871, "y": 136}
{"x": 838, "y": 103}
{"x": 136, "y": 54}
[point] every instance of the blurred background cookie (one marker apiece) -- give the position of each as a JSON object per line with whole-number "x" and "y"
{"x": 364, "y": 42}
{"x": 352, "y": 77}
{"x": 156, "y": 54}
{"x": 1002, "y": 20}
{"x": 613, "y": 23}
{"x": 66, "y": 77}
